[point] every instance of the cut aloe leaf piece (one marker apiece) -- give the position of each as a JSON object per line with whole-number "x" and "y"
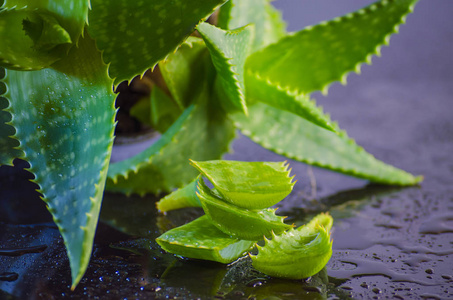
{"x": 311, "y": 59}
{"x": 135, "y": 35}
{"x": 183, "y": 197}
{"x": 229, "y": 50}
{"x": 295, "y": 254}
{"x": 277, "y": 130}
{"x": 269, "y": 25}
{"x": 239, "y": 222}
{"x": 253, "y": 185}
{"x": 64, "y": 118}
{"x": 200, "y": 239}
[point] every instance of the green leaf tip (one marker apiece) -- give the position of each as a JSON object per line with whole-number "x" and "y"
{"x": 229, "y": 50}
{"x": 313, "y": 58}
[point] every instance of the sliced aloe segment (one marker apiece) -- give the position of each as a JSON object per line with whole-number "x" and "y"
{"x": 253, "y": 185}
{"x": 183, "y": 197}
{"x": 239, "y": 222}
{"x": 200, "y": 239}
{"x": 295, "y": 254}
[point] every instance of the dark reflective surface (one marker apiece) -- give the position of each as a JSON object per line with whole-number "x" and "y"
{"x": 388, "y": 242}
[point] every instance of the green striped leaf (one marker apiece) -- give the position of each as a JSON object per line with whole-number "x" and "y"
{"x": 64, "y": 119}
{"x": 135, "y": 35}
{"x": 311, "y": 59}
{"x": 298, "y": 139}
{"x": 201, "y": 133}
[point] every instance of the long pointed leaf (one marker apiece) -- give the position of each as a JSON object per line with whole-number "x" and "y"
{"x": 136, "y": 35}
{"x": 199, "y": 133}
{"x": 64, "y": 119}
{"x": 298, "y": 139}
{"x": 313, "y": 58}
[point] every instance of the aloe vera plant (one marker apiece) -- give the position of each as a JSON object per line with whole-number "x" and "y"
{"x": 236, "y": 219}
{"x": 60, "y": 59}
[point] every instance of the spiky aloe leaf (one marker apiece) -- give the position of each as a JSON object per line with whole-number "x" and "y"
{"x": 72, "y": 15}
{"x": 136, "y": 35}
{"x": 249, "y": 224}
{"x": 17, "y": 49}
{"x": 64, "y": 119}
{"x": 269, "y": 25}
{"x": 35, "y": 34}
{"x": 201, "y": 132}
{"x": 277, "y": 130}
{"x": 8, "y": 144}
{"x": 259, "y": 89}
{"x": 295, "y": 254}
{"x": 252, "y": 185}
{"x": 201, "y": 240}
{"x": 182, "y": 70}
{"x": 313, "y": 58}
{"x": 183, "y": 197}
{"x": 229, "y": 50}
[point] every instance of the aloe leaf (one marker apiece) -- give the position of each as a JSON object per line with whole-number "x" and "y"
{"x": 276, "y": 130}
{"x": 8, "y": 144}
{"x": 164, "y": 111}
{"x": 253, "y": 185}
{"x": 236, "y": 221}
{"x": 17, "y": 49}
{"x": 181, "y": 198}
{"x": 295, "y": 254}
{"x": 229, "y": 50}
{"x": 135, "y": 35}
{"x": 183, "y": 69}
{"x": 313, "y": 58}
{"x": 72, "y": 15}
{"x": 200, "y": 239}
{"x": 201, "y": 132}
{"x": 269, "y": 25}
{"x": 259, "y": 89}
{"x": 64, "y": 119}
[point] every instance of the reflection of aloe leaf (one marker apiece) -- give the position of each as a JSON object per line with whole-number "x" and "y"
{"x": 132, "y": 215}
{"x": 201, "y": 240}
{"x": 202, "y": 279}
